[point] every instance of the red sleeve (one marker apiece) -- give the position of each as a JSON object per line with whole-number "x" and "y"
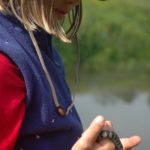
{"x": 12, "y": 106}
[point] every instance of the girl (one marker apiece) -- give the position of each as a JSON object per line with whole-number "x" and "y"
{"x": 36, "y": 110}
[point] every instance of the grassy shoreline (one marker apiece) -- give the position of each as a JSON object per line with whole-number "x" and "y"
{"x": 111, "y": 81}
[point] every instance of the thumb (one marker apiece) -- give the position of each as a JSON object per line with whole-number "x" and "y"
{"x": 93, "y": 130}
{"x": 129, "y": 143}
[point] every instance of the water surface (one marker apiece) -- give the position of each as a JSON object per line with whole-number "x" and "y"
{"x": 129, "y": 111}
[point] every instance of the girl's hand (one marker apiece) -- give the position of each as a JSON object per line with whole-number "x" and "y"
{"x": 131, "y": 142}
{"x": 88, "y": 139}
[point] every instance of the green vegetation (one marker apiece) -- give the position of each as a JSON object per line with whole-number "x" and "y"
{"x": 114, "y": 36}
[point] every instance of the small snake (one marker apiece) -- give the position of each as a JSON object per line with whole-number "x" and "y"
{"x": 104, "y": 134}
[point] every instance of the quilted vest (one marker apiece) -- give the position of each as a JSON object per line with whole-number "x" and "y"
{"x": 42, "y": 128}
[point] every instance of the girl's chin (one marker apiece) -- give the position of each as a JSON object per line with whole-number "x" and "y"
{"x": 59, "y": 18}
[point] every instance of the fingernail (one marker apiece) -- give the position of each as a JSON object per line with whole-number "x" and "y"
{"x": 99, "y": 120}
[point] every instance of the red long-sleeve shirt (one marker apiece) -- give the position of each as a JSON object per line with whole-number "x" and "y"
{"x": 12, "y": 106}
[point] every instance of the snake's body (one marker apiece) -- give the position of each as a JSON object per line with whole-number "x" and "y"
{"x": 111, "y": 136}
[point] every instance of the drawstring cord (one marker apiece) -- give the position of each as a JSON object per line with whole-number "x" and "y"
{"x": 61, "y": 111}
{"x": 76, "y": 73}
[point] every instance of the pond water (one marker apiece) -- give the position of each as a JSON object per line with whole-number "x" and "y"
{"x": 129, "y": 111}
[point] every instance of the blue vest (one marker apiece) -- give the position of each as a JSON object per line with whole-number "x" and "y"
{"x": 42, "y": 128}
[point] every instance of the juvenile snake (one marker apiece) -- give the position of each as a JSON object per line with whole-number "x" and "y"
{"x": 104, "y": 134}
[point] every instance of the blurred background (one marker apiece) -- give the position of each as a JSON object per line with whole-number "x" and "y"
{"x": 114, "y": 74}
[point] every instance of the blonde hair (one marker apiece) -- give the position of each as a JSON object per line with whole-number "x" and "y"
{"x": 39, "y": 13}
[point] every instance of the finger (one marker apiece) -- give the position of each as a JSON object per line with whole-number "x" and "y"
{"x": 90, "y": 135}
{"x": 108, "y": 123}
{"x": 108, "y": 126}
{"x": 105, "y": 144}
{"x": 131, "y": 142}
